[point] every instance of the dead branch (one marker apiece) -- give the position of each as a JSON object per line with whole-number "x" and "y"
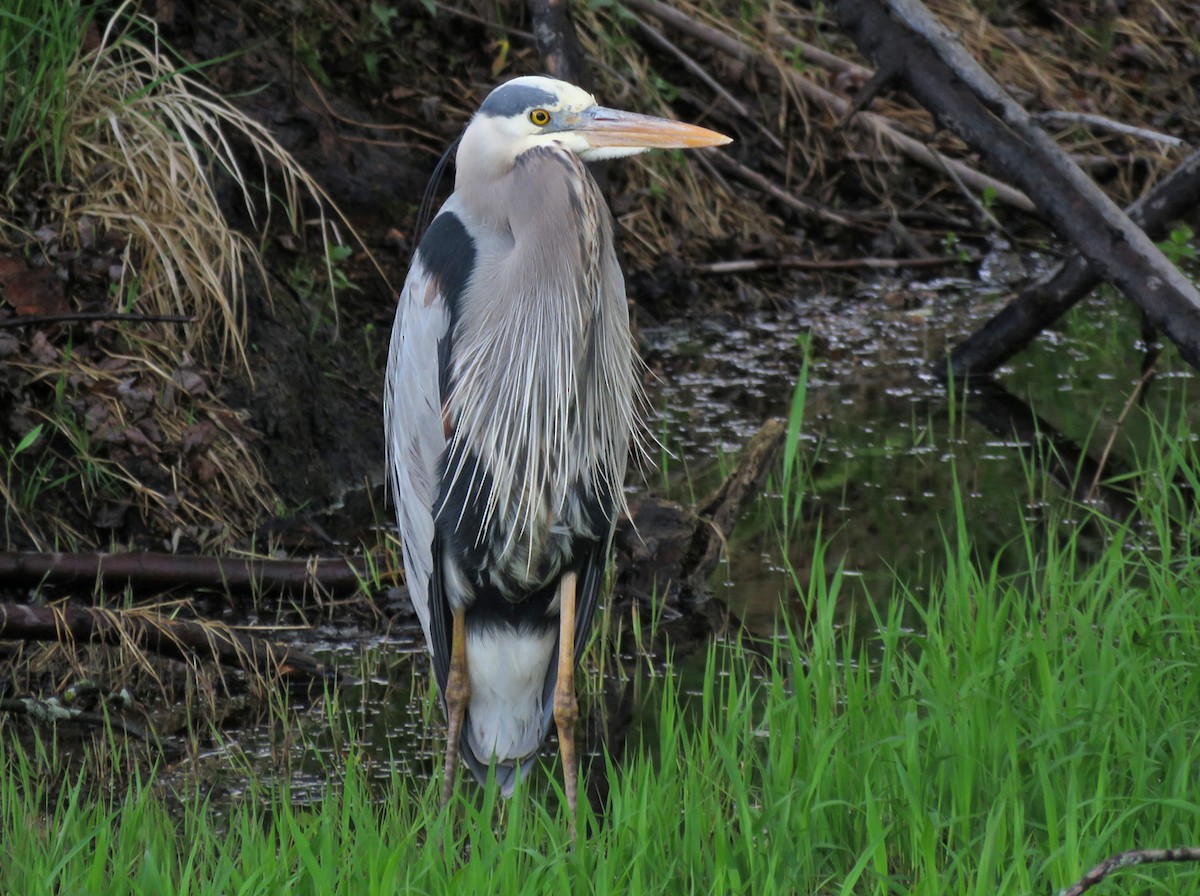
{"x": 666, "y": 552}
{"x": 157, "y": 572}
{"x": 804, "y": 206}
{"x": 909, "y": 46}
{"x": 660, "y": 40}
{"x": 724, "y": 507}
{"x": 172, "y": 638}
{"x": 557, "y": 42}
{"x": 1048, "y": 299}
{"x": 877, "y": 126}
{"x": 52, "y": 712}
{"x": 740, "y": 265}
{"x": 1128, "y": 860}
{"x": 1102, "y": 122}
{"x": 39, "y": 320}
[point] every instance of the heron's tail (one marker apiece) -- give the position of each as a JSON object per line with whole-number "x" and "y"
{"x": 511, "y": 672}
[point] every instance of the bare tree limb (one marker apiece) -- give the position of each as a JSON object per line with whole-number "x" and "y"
{"x": 557, "y": 41}
{"x": 739, "y": 265}
{"x": 665, "y": 552}
{"x": 1128, "y": 860}
{"x": 39, "y": 320}
{"x": 1049, "y": 298}
{"x": 151, "y": 571}
{"x": 1102, "y": 122}
{"x": 904, "y": 41}
{"x": 878, "y": 126}
{"x": 660, "y": 40}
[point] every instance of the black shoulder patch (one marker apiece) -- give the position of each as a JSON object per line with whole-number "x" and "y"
{"x": 513, "y": 99}
{"x": 448, "y": 254}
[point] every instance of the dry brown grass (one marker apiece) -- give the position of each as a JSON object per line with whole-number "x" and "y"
{"x": 130, "y": 412}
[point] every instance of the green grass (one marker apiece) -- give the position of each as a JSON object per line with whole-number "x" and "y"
{"x": 998, "y": 727}
{"x": 999, "y": 734}
{"x": 38, "y": 42}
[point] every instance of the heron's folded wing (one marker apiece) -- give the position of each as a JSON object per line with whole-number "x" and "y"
{"x": 414, "y": 432}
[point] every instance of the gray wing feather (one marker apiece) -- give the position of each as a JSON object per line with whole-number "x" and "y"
{"x": 413, "y": 429}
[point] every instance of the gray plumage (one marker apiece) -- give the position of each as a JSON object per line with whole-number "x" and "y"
{"x": 511, "y": 396}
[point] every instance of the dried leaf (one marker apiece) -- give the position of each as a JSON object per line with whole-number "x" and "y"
{"x": 36, "y": 292}
{"x": 204, "y": 469}
{"x": 198, "y": 436}
{"x": 137, "y": 400}
{"x": 42, "y": 350}
{"x": 10, "y": 266}
{"x": 190, "y": 381}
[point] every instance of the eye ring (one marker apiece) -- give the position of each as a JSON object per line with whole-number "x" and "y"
{"x": 539, "y": 117}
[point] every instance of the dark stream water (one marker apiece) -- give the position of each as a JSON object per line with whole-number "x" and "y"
{"x": 883, "y": 446}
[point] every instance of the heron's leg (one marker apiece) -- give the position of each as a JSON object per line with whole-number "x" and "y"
{"x": 566, "y": 707}
{"x": 458, "y": 692}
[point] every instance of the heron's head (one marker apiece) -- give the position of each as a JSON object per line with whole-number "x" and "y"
{"x": 534, "y": 111}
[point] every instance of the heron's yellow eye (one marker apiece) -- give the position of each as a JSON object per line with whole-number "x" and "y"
{"x": 540, "y": 117}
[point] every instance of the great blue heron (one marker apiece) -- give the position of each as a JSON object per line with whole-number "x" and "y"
{"x": 511, "y": 396}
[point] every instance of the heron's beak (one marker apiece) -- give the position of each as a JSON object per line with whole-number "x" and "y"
{"x": 603, "y": 127}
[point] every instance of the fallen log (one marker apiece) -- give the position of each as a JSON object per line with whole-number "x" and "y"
{"x": 909, "y": 47}
{"x": 148, "y": 571}
{"x": 1050, "y": 297}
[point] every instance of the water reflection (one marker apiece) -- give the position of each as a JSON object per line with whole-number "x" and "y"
{"x": 887, "y": 445}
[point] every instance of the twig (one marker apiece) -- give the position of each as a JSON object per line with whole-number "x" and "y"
{"x": 806, "y": 207}
{"x": 1008, "y": 417}
{"x": 1099, "y": 121}
{"x": 1128, "y": 860}
{"x": 1134, "y": 396}
{"x": 660, "y": 40}
{"x": 37, "y": 320}
{"x": 876, "y": 125}
{"x": 818, "y": 57}
{"x": 747, "y": 116}
{"x": 821, "y": 264}
{"x": 504, "y": 28}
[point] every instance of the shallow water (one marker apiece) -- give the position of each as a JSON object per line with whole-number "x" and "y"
{"x": 885, "y": 450}
{"x": 885, "y": 445}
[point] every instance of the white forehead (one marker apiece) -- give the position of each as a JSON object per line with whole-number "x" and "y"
{"x": 519, "y": 95}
